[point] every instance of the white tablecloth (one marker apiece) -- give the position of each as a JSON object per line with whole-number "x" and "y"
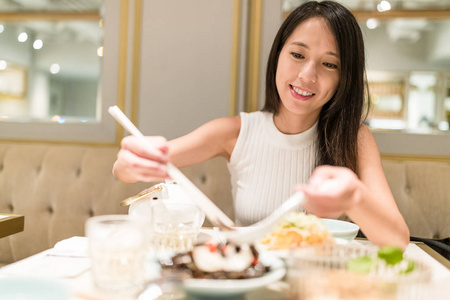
{"x": 71, "y": 266}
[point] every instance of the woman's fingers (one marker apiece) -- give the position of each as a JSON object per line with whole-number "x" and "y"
{"x": 331, "y": 191}
{"x": 142, "y": 169}
{"x": 155, "y": 149}
{"x": 142, "y": 161}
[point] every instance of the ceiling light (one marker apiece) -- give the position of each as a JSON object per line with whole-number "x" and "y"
{"x": 38, "y": 44}
{"x": 372, "y": 23}
{"x": 55, "y": 68}
{"x": 3, "y": 64}
{"x": 2, "y": 28}
{"x": 100, "y": 51}
{"x": 383, "y": 6}
{"x": 23, "y": 37}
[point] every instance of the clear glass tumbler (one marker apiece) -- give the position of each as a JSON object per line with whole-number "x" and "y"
{"x": 175, "y": 226}
{"x": 117, "y": 248}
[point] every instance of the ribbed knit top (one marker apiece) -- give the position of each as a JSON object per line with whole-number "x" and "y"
{"x": 266, "y": 165}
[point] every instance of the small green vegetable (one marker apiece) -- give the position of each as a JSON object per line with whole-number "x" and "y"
{"x": 361, "y": 264}
{"x": 411, "y": 266}
{"x": 391, "y": 255}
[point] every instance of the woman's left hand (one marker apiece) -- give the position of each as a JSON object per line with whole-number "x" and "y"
{"x": 331, "y": 191}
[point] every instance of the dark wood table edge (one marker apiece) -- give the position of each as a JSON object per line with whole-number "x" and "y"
{"x": 15, "y": 224}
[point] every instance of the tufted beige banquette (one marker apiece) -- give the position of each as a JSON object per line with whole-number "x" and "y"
{"x": 422, "y": 192}
{"x": 58, "y": 187}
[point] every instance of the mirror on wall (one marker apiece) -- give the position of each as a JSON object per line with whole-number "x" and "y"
{"x": 408, "y": 62}
{"x": 50, "y": 61}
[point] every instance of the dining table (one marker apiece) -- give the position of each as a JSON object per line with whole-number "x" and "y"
{"x": 68, "y": 263}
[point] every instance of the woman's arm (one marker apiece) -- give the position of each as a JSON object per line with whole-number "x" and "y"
{"x": 367, "y": 200}
{"x": 138, "y": 162}
{"x": 377, "y": 213}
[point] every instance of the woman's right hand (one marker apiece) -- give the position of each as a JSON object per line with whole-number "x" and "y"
{"x": 138, "y": 161}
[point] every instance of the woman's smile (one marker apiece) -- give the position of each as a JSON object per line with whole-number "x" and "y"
{"x": 300, "y": 93}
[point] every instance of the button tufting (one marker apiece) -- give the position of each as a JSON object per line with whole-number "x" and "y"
{"x": 1, "y": 167}
{"x": 78, "y": 172}
{"x": 11, "y": 208}
{"x": 436, "y": 236}
{"x": 203, "y": 179}
{"x": 50, "y": 210}
{"x": 91, "y": 213}
{"x": 407, "y": 190}
{"x": 38, "y": 169}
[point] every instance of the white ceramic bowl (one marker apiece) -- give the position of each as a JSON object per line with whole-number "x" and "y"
{"x": 202, "y": 289}
{"x": 341, "y": 230}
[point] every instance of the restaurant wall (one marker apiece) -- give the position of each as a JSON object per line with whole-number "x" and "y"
{"x": 185, "y": 65}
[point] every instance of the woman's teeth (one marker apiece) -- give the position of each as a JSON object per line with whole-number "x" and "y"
{"x": 301, "y": 92}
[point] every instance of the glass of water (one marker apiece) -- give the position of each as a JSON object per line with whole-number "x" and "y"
{"x": 175, "y": 226}
{"x": 117, "y": 248}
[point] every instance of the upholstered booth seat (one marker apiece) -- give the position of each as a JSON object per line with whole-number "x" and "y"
{"x": 422, "y": 192}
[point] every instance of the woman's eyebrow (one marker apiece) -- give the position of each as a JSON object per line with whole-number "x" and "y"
{"x": 307, "y": 47}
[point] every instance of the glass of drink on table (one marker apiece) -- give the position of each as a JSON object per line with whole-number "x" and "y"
{"x": 117, "y": 248}
{"x": 175, "y": 226}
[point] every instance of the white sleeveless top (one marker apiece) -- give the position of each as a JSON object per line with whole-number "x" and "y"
{"x": 266, "y": 165}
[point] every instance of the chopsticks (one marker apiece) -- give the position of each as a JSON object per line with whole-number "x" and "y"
{"x": 216, "y": 216}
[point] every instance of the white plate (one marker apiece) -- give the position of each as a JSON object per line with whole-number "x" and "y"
{"x": 21, "y": 288}
{"x": 235, "y": 288}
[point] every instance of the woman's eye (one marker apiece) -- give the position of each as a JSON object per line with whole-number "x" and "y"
{"x": 330, "y": 66}
{"x": 297, "y": 55}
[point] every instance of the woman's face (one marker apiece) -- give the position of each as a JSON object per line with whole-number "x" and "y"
{"x": 308, "y": 69}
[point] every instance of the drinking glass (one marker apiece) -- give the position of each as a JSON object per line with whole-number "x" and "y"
{"x": 117, "y": 248}
{"x": 175, "y": 226}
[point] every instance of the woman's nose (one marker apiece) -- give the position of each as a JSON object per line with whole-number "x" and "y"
{"x": 308, "y": 72}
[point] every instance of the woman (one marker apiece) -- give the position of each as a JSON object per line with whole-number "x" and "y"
{"x": 312, "y": 117}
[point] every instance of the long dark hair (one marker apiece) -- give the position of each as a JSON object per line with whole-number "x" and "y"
{"x": 341, "y": 117}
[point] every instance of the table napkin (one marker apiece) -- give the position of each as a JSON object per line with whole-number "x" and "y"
{"x": 76, "y": 246}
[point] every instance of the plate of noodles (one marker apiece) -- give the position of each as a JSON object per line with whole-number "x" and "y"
{"x": 300, "y": 230}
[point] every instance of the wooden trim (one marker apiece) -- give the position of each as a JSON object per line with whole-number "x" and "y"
{"x": 410, "y": 157}
{"x": 235, "y": 61}
{"x": 122, "y": 66}
{"x": 135, "y": 76}
{"x": 26, "y": 16}
{"x": 58, "y": 142}
{"x": 442, "y": 14}
{"x": 430, "y": 14}
{"x": 11, "y": 224}
{"x": 253, "y": 55}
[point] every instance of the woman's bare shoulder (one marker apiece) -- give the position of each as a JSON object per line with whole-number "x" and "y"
{"x": 368, "y": 151}
{"x": 230, "y": 126}
{"x": 365, "y": 135}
